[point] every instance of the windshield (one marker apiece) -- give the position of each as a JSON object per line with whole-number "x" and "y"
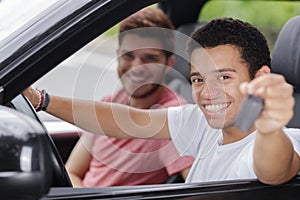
{"x": 12, "y": 17}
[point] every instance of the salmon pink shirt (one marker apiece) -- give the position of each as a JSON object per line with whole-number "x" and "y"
{"x": 120, "y": 162}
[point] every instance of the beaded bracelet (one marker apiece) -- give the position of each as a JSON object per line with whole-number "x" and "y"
{"x": 38, "y": 107}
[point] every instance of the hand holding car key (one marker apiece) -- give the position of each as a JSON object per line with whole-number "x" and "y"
{"x": 250, "y": 110}
{"x": 266, "y": 93}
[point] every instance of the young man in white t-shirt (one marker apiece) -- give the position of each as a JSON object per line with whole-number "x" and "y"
{"x": 229, "y": 59}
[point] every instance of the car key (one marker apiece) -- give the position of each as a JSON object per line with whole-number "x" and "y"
{"x": 250, "y": 110}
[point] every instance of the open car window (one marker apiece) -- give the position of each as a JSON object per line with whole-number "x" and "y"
{"x": 91, "y": 72}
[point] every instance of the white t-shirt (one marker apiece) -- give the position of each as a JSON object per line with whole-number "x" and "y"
{"x": 192, "y": 135}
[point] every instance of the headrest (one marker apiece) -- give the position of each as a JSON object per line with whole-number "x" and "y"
{"x": 181, "y": 67}
{"x": 286, "y": 52}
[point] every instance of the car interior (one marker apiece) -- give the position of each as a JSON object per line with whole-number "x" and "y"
{"x": 286, "y": 61}
{"x": 178, "y": 79}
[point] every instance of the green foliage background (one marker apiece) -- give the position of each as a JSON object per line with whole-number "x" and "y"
{"x": 268, "y": 16}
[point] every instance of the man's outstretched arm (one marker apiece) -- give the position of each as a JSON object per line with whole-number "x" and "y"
{"x": 113, "y": 119}
{"x": 275, "y": 160}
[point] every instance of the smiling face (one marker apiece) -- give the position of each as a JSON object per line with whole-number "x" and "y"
{"x": 142, "y": 65}
{"x": 216, "y": 74}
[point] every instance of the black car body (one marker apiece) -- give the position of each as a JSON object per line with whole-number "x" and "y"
{"x": 39, "y": 46}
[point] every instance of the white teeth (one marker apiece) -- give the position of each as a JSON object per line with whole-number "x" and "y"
{"x": 137, "y": 78}
{"x": 215, "y": 108}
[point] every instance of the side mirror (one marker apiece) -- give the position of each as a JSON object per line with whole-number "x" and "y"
{"x": 24, "y": 172}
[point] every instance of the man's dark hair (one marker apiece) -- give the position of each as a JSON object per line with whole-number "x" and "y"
{"x": 250, "y": 42}
{"x": 150, "y": 22}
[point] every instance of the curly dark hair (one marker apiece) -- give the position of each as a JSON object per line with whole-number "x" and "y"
{"x": 249, "y": 40}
